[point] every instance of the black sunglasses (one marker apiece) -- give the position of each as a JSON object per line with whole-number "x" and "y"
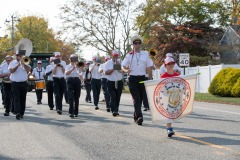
{"x": 137, "y": 43}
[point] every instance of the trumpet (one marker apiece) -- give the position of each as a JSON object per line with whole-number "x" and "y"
{"x": 26, "y": 60}
{"x": 80, "y": 64}
{"x": 153, "y": 53}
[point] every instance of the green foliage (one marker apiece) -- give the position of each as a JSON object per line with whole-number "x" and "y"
{"x": 236, "y": 89}
{"x": 224, "y": 83}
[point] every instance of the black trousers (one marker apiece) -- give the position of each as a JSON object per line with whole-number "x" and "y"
{"x": 105, "y": 92}
{"x": 96, "y": 88}
{"x": 2, "y": 91}
{"x": 39, "y": 94}
{"x": 66, "y": 94}
{"x": 145, "y": 100}
{"x": 88, "y": 88}
{"x": 115, "y": 94}
{"x": 73, "y": 91}
{"x": 8, "y": 97}
{"x": 49, "y": 87}
{"x": 19, "y": 91}
{"x": 137, "y": 91}
{"x": 59, "y": 87}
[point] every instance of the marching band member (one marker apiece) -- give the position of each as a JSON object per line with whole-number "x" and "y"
{"x": 114, "y": 82}
{"x": 104, "y": 83}
{"x": 38, "y": 73}
{"x": 59, "y": 83}
{"x": 137, "y": 63}
{"x": 87, "y": 82}
{"x": 7, "y": 85}
{"x": 163, "y": 68}
{"x": 19, "y": 76}
{"x": 73, "y": 74}
{"x": 96, "y": 81}
{"x": 169, "y": 65}
{"x": 49, "y": 84}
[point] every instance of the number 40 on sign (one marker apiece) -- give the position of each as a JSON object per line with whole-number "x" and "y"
{"x": 184, "y": 60}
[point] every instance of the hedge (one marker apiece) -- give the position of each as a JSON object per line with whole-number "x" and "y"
{"x": 226, "y": 83}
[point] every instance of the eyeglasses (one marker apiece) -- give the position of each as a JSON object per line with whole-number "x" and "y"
{"x": 135, "y": 43}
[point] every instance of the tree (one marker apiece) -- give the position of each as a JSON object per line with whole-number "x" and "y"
{"x": 183, "y": 26}
{"x": 101, "y": 24}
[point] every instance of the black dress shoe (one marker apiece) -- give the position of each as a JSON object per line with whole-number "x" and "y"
{"x": 139, "y": 121}
{"x": 114, "y": 114}
{"x": 21, "y": 116}
{"x": 6, "y": 114}
{"x": 71, "y": 115}
{"x": 89, "y": 101}
{"x": 108, "y": 109}
{"x": 18, "y": 116}
{"x": 38, "y": 103}
{"x": 145, "y": 109}
{"x": 51, "y": 108}
{"x": 96, "y": 108}
{"x": 76, "y": 115}
{"x": 59, "y": 112}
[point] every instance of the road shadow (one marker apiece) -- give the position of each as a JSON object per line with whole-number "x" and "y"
{"x": 212, "y": 118}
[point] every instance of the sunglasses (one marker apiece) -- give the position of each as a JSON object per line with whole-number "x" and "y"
{"x": 171, "y": 63}
{"x": 137, "y": 43}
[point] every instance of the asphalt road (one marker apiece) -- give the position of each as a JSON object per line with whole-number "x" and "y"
{"x": 211, "y": 132}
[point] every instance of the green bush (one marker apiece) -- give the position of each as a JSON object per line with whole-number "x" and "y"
{"x": 236, "y": 89}
{"x": 224, "y": 82}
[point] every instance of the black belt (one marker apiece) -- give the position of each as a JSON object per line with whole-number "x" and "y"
{"x": 19, "y": 82}
{"x": 58, "y": 77}
{"x": 137, "y": 76}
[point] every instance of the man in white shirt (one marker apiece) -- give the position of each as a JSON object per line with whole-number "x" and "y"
{"x": 38, "y": 73}
{"x": 49, "y": 85}
{"x": 87, "y": 77}
{"x": 114, "y": 82}
{"x": 59, "y": 83}
{"x": 73, "y": 74}
{"x": 96, "y": 81}
{"x": 19, "y": 76}
{"x": 137, "y": 64}
{"x": 104, "y": 83}
{"x": 7, "y": 85}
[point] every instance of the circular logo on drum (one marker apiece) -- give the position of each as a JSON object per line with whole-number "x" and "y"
{"x": 171, "y": 97}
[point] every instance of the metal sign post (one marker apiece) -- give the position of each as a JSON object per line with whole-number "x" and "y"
{"x": 184, "y": 60}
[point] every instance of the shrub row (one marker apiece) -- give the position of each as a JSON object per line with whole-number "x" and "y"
{"x": 226, "y": 83}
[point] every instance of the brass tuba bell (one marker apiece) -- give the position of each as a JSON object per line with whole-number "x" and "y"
{"x": 26, "y": 46}
{"x": 153, "y": 53}
{"x": 80, "y": 64}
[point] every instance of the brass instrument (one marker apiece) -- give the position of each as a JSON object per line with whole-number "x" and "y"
{"x": 80, "y": 64}
{"x": 26, "y": 46}
{"x": 26, "y": 60}
{"x": 153, "y": 53}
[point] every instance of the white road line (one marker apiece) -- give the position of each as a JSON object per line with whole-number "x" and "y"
{"x": 218, "y": 110}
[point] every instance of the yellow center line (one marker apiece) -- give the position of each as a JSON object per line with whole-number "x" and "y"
{"x": 203, "y": 142}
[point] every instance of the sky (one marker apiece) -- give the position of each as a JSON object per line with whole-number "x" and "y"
{"x": 49, "y": 9}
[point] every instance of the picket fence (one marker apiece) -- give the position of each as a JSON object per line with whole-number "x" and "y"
{"x": 205, "y": 76}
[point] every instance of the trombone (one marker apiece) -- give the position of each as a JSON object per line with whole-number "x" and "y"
{"x": 153, "y": 53}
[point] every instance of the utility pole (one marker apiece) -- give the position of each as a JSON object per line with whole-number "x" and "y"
{"x": 13, "y": 19}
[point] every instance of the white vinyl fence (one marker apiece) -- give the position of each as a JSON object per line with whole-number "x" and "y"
{"x": 207, "y": 73}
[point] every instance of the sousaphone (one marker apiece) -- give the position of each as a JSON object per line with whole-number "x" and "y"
{"x": 24, "y": 46}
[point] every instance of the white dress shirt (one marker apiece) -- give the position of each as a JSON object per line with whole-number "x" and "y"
{"x": 116, "y": 75}
{"x": 38, "y": 73}
{"x": 59, "y": 72}
{"x": 5, "y": 70}
{"x": 48, "y": 69}
{"x": 75, "y": 73}
{"x": 102, "y": 67}
{"x": 95, "y": 73}
{"x": 138, "y": 62}
{"x": 20, "y": 75}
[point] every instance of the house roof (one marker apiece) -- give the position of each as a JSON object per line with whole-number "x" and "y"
{"x": 236, "y": 28}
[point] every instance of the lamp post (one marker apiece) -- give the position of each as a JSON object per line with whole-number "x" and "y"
{"x": 13, "y": 19}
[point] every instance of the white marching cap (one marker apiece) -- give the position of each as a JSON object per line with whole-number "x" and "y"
{"x": 115, "y": 52}
{"x": 168, "y": 60}
{"x": 57, "y": 54}
{"x": 169, "y": 55}
{"x": 52, "y": 58}
{"x": 39, "y": 62}
{"x": 135, "y": 38}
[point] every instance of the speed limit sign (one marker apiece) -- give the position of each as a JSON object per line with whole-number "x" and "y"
{"x": 184, "y": 60}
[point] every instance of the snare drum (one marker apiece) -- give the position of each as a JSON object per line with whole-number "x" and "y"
{"x": 40, "y": 84}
